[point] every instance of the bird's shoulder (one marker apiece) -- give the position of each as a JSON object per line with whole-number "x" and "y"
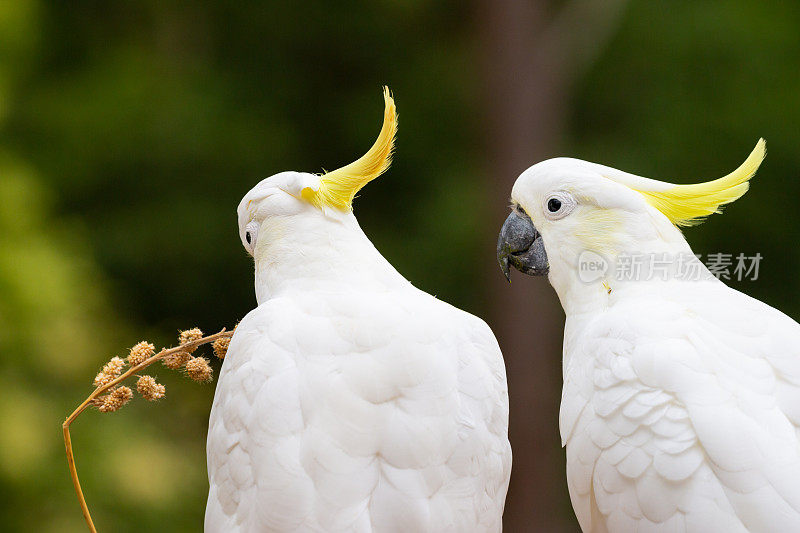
{"x": 403, "y": 313}
{"x": 703, "y": 321}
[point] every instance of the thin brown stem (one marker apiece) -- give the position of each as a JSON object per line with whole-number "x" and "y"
{"x": 100, "y": 390}
{"x": 74, "y": 473}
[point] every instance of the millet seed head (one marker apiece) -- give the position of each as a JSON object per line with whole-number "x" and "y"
{"x": 199, "y": 369}
{"x": 176, "y": 360}
{"x": 110, "y": 372}
{"x": 190, "y": 335}
{"x": 140, "y": 353}
{"x": 150, "y": 389}
{"x": 221, "y": 346}
{"x": 116, "y": 399}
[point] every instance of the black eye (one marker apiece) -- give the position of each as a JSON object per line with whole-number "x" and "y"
{"x": 247, "y": 237}
{"x": 553, "y": 205}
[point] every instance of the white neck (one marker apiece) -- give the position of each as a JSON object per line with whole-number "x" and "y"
{"x": 657, "y": 241}
{"x": 316, "y": 251}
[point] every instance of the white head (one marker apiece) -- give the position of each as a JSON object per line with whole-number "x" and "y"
{"x": 297, "y": 224}
{"x": 565, "y": 210}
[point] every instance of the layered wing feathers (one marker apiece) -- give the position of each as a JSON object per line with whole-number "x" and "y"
{"x": 683, "y": 416}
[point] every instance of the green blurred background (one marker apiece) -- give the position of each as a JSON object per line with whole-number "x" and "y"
{"x": 129, "y": 132}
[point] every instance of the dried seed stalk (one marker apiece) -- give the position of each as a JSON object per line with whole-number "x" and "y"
{"x": 192, "y": 343}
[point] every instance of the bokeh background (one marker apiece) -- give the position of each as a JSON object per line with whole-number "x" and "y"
{"x": 130, "y": 130}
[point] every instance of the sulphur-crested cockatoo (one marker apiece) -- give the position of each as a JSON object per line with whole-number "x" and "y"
{"x": 349, "y": 400}
{"x": 681, "y": 401}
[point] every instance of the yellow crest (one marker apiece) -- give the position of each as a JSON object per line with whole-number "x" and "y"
{"x": 339, "y": 187}
{"x": 687, "y": 205}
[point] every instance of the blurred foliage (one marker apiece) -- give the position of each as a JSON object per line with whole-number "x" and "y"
{"x": 682, "y": 94}
{"x": 129, "y": 132}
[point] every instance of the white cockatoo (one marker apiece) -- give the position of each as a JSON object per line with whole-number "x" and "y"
{"x": 349, "y": 400}
{"x": 681, "y": 402}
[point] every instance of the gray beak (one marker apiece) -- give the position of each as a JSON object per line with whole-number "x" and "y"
{"x": 521, "y": 246}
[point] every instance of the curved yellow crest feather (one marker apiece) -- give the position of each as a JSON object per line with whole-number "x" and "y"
{"x": 338, "y": 188}
{"x": 687, "y": 205}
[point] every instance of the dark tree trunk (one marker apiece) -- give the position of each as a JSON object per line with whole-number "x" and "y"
{"x": 532, "y": 54}
{"x": 524, "y": 117}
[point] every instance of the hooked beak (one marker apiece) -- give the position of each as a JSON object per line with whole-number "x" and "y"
{"x": 520, "y": 245}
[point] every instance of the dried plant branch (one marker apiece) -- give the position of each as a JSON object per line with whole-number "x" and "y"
{"x": 111, "y": 376}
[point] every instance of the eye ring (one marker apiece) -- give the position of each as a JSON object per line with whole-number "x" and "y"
{"x": 558, "y": 205}
{"x": 250, "y": 237}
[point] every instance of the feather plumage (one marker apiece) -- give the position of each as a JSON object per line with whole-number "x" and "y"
{"x": 348, "y": 399}
{"x": 680, "y": 403}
